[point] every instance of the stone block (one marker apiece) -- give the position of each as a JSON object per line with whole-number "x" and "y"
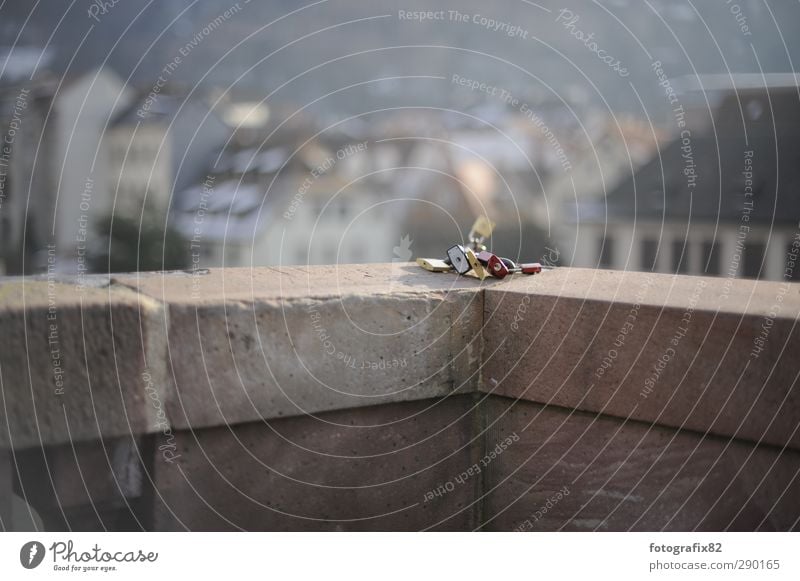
{"x": 370, "y": 468}
{"x": 74, "y": 368}
{"x": 576, "y": 471}
{"x": 345, "y": 341}
{"x": 677, "y": 351}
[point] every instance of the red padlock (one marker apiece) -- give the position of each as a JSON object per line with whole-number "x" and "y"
{"x": 494, "y": 264}
{"x": 529, "y": 268}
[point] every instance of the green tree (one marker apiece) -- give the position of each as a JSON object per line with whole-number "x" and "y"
{"x": 137, "y": 243}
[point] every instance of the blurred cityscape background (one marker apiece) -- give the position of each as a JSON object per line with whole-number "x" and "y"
{"x": 141, "y": 135}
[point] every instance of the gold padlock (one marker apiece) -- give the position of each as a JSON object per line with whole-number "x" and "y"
{"x": 482, "y": 228}
{"x": 477, "y": 268}
{"x": 434, "y": 264}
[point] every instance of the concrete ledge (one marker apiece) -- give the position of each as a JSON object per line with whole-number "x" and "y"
{"x": 246, "y": 345}
{"x": 705, "y": 354}
{"x": 75, "y": 364}
{"x": 385, "y": 397}
{"x": 150, "y": 353}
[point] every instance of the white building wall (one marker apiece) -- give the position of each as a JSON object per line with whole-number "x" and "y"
{"x": 83, "y": 112}
{"x": 140, "y": 163}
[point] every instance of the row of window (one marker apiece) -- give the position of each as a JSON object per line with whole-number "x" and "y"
{"x": 752, "y": 259}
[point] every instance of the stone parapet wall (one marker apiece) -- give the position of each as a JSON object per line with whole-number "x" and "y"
{"x": 384, "y": 397}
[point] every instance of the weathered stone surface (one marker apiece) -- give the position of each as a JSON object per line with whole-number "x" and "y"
{"x": 215, "y": 355}
{"x": 244, "y": 344}
{"x": 577, "y": 471}
{"x": 239, "y": 357}
{"x": 266, "y": 283}
{"x": 678, "y": 351}
{"x": 73, "y": 363}
{"x": 363, "y": 469}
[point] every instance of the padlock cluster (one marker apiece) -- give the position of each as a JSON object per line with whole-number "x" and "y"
{"x": 475, "y": 259}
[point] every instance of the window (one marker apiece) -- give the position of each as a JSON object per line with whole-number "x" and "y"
{"x": 649, "y": 254}
{"x": 606, "y": 245}
{"x": 753, "y": 257}
{"x": 710, "y": 257}
{"x": 680, "y": 258}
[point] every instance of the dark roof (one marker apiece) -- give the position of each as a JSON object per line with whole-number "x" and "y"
{"x": 660, "y": 188}
{"x": 18, "y": 63}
